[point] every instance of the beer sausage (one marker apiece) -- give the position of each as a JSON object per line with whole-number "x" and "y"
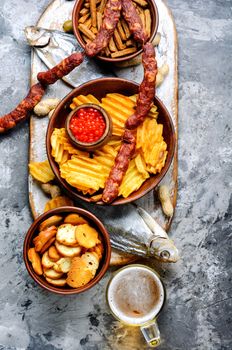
{"x": 134, "y": 21}
{"x": 146, "y": 89}
{"x": 109, "y": 23}
{"x": 61, "y": 69}
{"x": 20, "y": 113}
{"x": 120, "y": 167}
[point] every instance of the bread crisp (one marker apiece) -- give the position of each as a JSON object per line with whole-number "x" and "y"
{"x": 63, "y": 265}
{"x": 53, "y": 253}
{"x": 86, "y": 236}
{"x": 51, "y": 273}
{"x": 34, "y": 258}
{"x": 79, "y": 274}
{"x": 66, "y": 235}
{"x": 98, "y": 250}
{"x": 67, "y": 251}
{"x": 74, "y": 219}
{"x": 92, "y": 262}
{"x": 47, "y": 245}
{"x": 46, "y": 261}
{"x": 43, "y": 237}
{"x": 61, "y": 282}
{"x": 53, "y": 220}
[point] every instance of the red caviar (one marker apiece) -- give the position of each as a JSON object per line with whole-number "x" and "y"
{"x": 87, "y": 125}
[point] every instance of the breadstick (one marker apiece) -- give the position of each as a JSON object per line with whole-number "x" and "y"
{"x": 84, "y": 11}
{"x": 121, "y": 31}
{"x": 93, "y": 12}
{"x": 147, "y": 15}
{"x": 112, "y": 45}
{"x": 142, "y": 3}
{"x": 99, "y": 20}
{"x": 102, "y": 6}
{"x": 126, "y": 29}
{"x": 84, "y": 18}
{"x": 123, "y": 52}
{"x": 85, "y": 30}
{"x": 118, "y": 40}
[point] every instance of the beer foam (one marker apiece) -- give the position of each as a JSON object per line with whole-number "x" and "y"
{"x": 135, "y": 295}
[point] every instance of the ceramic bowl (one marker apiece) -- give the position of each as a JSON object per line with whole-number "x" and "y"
{"x": 99, "y": 88}
{"x": 93, "y": 145}
{"x": 154, "y": 26}
{"x": 95, "y": 222}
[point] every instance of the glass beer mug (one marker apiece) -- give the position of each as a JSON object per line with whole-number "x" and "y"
{"x": 136, "y": 295}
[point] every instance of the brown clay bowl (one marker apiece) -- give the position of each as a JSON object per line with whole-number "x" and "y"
{"x": 89, "y": 147}
{"x": 99, "y": 88}
{"x": 95, "y": 222}
{"x": 154, "y": 27}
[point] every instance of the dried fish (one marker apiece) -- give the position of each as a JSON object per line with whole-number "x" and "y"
{"x": 132, "y": 230}
{"x": 52, "y": 46}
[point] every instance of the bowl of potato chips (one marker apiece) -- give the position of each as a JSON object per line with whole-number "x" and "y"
{"x": 83, "y": 174}
{"x": 67, "y": 250}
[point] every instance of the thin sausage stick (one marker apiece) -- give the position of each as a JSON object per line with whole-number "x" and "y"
{"x": 146, "y": 89}
{"x": 61, "y": 69}
{"x": 21, "y": 112}
{"x": 109, "y": 23}
{"x": 134, "y": 21}
{"x": 120, "y": 167}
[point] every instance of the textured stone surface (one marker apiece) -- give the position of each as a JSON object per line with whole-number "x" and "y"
{"x": 198, "y": 311}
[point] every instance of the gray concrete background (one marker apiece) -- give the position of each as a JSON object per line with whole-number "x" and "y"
{"x": 198, "y": 312}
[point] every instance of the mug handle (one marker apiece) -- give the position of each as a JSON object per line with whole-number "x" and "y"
{"x": 151, "y": 334}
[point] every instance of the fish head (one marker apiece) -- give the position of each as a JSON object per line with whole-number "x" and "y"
{"x": 37, "y": 37}
{"x": 163, "y": 249}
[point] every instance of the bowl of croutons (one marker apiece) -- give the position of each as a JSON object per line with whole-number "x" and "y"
{"x": 67, "y": 250}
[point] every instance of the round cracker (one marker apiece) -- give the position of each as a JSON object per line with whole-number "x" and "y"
{"x": 92, "y": 261}
{"x": 61, "y": 282}
{"x": 51, "y": 273}
{"x": 66, "y": 235}
{"x": 79, "y": 274}
{"x": 67, "y": 251}
{"x": 74, "y": 219}
{"x": 46, "y": 261}
{"x": 86, "y": 236}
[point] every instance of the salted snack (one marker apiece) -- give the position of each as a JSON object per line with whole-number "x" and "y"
{"x": 44, "y": 237}
{"x": 113, "y": 33}
{"x": 133, "y": 152}
{"x": 41, "y": 171}
{"x": 34, "y": 258}
{"x": 79, "y": 273}
{"x": 86, "y": 236}
{"x": 164, "y": 197}
{"x": 57, "y": 202}
{"x": 66, "y": 235}
{"x": 67, "y": 251}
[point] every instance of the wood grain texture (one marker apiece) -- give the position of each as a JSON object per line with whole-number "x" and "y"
{"x": 167, "y": 51}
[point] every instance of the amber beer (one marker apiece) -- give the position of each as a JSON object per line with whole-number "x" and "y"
{"x": 135, "y": 296}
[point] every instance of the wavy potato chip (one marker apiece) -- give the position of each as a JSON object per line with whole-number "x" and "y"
{"x": 41, "y": 171}
{"x": 83, "y": 173}
{"x": 81, "y": 99}
{"x": 132, "y": 180}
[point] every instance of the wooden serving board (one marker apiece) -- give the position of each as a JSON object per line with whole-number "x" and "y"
{"x": 53, "y": 18}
